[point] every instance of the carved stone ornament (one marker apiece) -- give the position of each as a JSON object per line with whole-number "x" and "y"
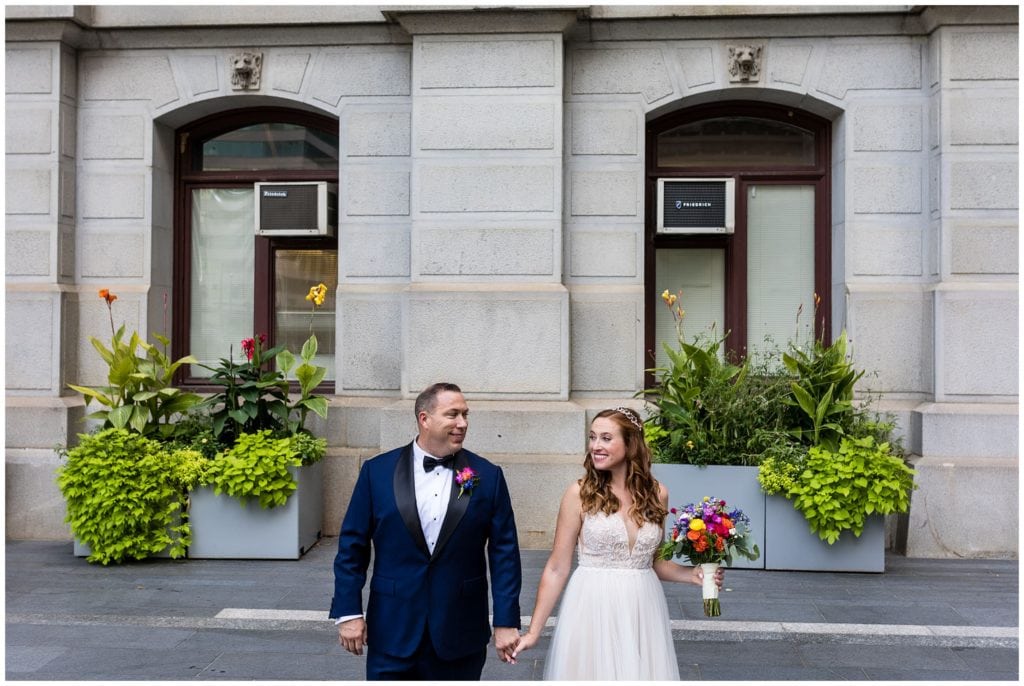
{"x": 744, "y": 63}
{"x": 245, "y": 71}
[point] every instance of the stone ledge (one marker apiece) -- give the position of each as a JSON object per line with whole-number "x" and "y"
{"x": 968, "y": 429}
{"x": 42, "y": 422}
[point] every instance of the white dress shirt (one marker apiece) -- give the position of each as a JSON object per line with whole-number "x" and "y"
{"x": 433, "y": 491}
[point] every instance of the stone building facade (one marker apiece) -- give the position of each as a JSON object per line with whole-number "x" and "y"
{"x": 495, "y": 216}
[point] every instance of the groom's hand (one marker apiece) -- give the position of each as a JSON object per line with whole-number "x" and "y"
{"x": 352, "y": 635}
{"x": 505, "y": 640}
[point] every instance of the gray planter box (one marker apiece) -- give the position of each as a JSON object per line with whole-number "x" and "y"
{"x": 789, "y": 543}
{"x": 222, "y": 527}
{"x": 737, "y": 486}
{"x": 781, "y": 532}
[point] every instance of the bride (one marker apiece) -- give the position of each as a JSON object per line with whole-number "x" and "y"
{"x": 613, "y": 622}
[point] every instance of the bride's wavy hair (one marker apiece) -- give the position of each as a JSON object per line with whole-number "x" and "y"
{"x": 595, "y": 486}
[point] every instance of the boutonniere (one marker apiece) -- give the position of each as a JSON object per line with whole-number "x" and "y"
{"x": 467, "y": 480}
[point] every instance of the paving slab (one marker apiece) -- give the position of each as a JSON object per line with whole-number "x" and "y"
{"x": 241, "y": 620}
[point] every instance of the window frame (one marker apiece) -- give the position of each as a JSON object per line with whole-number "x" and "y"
{"x": 735, "y": 245}
{"x": 187, "y": 179}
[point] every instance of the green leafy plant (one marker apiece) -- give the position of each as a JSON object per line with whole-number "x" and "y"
{"x": 254, "y": 395}
{"x": 793, "y": 414}
{"x": 309, "y": 377}
{"x": 125, "y": 495}
{"x": 256, "y": 466}
{"x": 707, "y": 410}
{"x": 822, "y": 391}
{"x": 139, "y": 395}
{"x": 781, "y": 465}
{"x": 308, "y": 447}
{"x": 194, "y": 431}
{"x": 837, "y": 490}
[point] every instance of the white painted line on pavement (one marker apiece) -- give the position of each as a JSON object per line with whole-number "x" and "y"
{"x": 258, "y": 613}
{"x": 692, "y": 627}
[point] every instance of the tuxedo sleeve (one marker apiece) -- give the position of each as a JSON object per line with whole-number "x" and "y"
{"x": 503, "y": 559}
{"x": 353, "y": 558}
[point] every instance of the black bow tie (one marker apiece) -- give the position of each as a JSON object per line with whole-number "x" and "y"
{"x": 430, "y": 462}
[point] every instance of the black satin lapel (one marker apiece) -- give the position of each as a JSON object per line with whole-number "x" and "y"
{"x": 456, "y": 506}
{"x": 405, "y": 498}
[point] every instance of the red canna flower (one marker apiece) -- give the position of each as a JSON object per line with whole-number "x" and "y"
{"x": 248, "y": 347}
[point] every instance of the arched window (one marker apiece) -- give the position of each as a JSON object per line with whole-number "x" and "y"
{"x": 752, "y": 282}
{"x": 229, "y": 282}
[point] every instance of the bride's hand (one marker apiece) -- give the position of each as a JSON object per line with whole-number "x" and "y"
{"x": 698, "y": 576}
{"x": 526, "y": 641}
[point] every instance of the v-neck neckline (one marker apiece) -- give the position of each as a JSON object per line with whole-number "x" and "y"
{"x": 625, "y": 525}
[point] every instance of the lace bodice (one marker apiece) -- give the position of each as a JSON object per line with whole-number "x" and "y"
{"x": 604, "y": 542}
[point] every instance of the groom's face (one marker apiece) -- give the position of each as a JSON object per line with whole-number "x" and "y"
{"x": 443, "y": 428}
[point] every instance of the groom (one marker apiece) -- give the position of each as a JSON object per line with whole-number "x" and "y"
{"x": 437, "y": 516}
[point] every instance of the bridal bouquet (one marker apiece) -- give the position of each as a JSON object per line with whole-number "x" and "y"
{"x": 707, "y": 534}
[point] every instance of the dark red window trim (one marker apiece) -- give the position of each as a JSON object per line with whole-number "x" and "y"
{"x": 187, "y": 178}
{"x": 735, "y": 246}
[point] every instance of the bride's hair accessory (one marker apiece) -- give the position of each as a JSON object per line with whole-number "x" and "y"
{"x": 631, "y": 416}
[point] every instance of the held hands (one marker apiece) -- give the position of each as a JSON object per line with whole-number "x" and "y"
{"x": 526, "y": 641}
{"x": 698, "y": 576}
{"x": 505, "y": 640}
{"x": 352, "y": 635}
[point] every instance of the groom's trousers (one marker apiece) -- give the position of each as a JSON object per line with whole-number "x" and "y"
{"x": 423, "y": 665}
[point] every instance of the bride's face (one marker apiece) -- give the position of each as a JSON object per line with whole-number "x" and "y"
{"x": 607, "y": 447}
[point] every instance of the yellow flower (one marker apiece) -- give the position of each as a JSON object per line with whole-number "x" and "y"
{"x": 697, "y": 525}
{"x": 317, "y": 294}
{"x": 689, "y": 445}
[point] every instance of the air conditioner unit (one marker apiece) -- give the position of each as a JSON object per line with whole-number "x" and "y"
{"x": 696, "y": 206}
{"x": 302, "y": 208}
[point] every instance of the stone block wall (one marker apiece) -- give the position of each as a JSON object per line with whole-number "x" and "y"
{"x": 39, "y": 234}
{"x": 492, "y": 216}
{"x": 969, "y": 436}
{"x": 486, "y": 308}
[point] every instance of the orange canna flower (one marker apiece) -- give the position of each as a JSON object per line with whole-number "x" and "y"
{"x": 719, "y": 543}
{"x": 109, "y": 298}
{"x": 700, "y": 545}
{"x": 693, "y": 535}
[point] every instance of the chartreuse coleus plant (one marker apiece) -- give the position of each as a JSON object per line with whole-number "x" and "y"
{"x": 256, "y": 466}
{"x": 837, "y": 490}
{"x": 126, "y": 493}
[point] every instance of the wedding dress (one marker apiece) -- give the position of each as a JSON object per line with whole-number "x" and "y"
{"x": 613, "y": 621}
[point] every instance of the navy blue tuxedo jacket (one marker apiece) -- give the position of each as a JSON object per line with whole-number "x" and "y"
{"x": 410, "y": 589}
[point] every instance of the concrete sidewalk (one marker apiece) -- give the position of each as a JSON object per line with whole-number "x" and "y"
{"x": 205, "y": 620}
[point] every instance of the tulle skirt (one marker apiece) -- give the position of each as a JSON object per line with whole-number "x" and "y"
{"x": 613, "y": 624}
